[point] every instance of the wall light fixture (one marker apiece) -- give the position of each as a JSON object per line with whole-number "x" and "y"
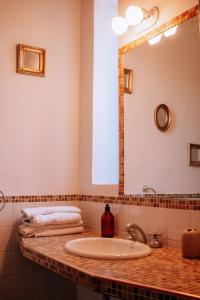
{"x": 156, "y": 39}
{"x": 135, "y": 16}
{"x": 119, "y": 25}
{"x": 170, "y": 31}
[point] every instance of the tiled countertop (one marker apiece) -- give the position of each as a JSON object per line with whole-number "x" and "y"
{"x": 158, "y": 276}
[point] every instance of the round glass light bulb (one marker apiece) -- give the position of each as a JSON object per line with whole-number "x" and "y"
{"x": 171, "y": 31}
{"x": 155, "y": 40}
{"x": 119, "y": 25}
{"x": 134, "y": 15}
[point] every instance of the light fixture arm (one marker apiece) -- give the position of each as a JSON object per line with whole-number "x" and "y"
{"x": 150, "y": 13}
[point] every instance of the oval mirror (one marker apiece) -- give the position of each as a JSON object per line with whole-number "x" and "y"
{"x": 162, "y": 117}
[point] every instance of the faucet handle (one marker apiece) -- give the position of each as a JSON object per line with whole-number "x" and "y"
{"x": 155, "y": 239}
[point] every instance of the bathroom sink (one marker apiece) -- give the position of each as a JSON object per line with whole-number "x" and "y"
{"x": 110, "y": 248}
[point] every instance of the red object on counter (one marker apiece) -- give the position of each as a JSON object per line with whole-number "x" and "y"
{"x": 107, "y": 223}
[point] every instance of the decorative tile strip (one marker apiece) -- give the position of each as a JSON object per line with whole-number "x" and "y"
{"x": 39, "y": 198}
{"x": 121, "y": 123}
{"x": 175, "y": 201}
{"x": 128, "y": 292}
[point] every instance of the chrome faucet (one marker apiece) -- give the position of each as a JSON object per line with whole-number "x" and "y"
{"x": 135, "y": 233}
{"x": 146, "y": 188}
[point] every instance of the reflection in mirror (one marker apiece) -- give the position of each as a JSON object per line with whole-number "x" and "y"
{"x": 194, "y": 154}
{"x": 128, "y": 81}
{"x": 162, "y": 117}
{"x": 168, "y": 72}
{"x": 31, "y": 60}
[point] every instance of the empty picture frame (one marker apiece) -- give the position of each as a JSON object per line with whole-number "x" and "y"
{"x": 30, "y": 60}
{"x": 194, "y": 154}
{"x": 128, "y": 81}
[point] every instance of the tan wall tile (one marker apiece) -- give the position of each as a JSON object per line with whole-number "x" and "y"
{"x": 177, "y": 221}
{"x": 121, "y": 214}
{"x": 195, "y": 219}
{"x": 5, "y": 263}
{"x": 156, "y": 219}
{"x": 91, "y": 213}
{"x": 137, "y": 215}
{"x": 5, "y": 238}
{"x": 6, "y": 215}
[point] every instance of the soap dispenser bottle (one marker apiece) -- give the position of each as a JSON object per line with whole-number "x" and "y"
{"x": 107, "y": 223}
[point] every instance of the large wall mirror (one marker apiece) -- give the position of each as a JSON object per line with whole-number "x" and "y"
{"x": 165, "y": 73}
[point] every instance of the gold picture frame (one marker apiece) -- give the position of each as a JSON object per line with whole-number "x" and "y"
{"x": 30, "y": 60}
{"x": 128, "y": 81}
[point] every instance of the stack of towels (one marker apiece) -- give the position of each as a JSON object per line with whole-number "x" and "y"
{"x": 49, "y": 221}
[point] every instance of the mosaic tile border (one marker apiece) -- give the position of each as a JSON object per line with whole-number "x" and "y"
{"x": 106, "y": 286}
{"x": 121, "y": 122}
{"x": 161, "y": 201}
{"x": 176, "y": 21}
{"x": 173, "y": 201}
{"x": 39, "y": 198}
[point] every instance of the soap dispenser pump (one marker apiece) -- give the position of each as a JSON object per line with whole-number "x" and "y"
{"x": 107, "y": 223}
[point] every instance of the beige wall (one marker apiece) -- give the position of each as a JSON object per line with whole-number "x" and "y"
{"x": 39, "y": 128}
{"x": 39, "y": 117}
{"x": 168, "y": 10}
{"x": 164, "y": 73}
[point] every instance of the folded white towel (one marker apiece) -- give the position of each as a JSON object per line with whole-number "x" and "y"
{"x": 61, "y": 231}
{"x": 28, "y": 231}
{"x": 54, "y": 218}
{"x": 29, "y": 213}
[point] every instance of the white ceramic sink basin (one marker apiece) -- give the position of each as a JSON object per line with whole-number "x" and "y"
{"x": 110, "y": 248}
